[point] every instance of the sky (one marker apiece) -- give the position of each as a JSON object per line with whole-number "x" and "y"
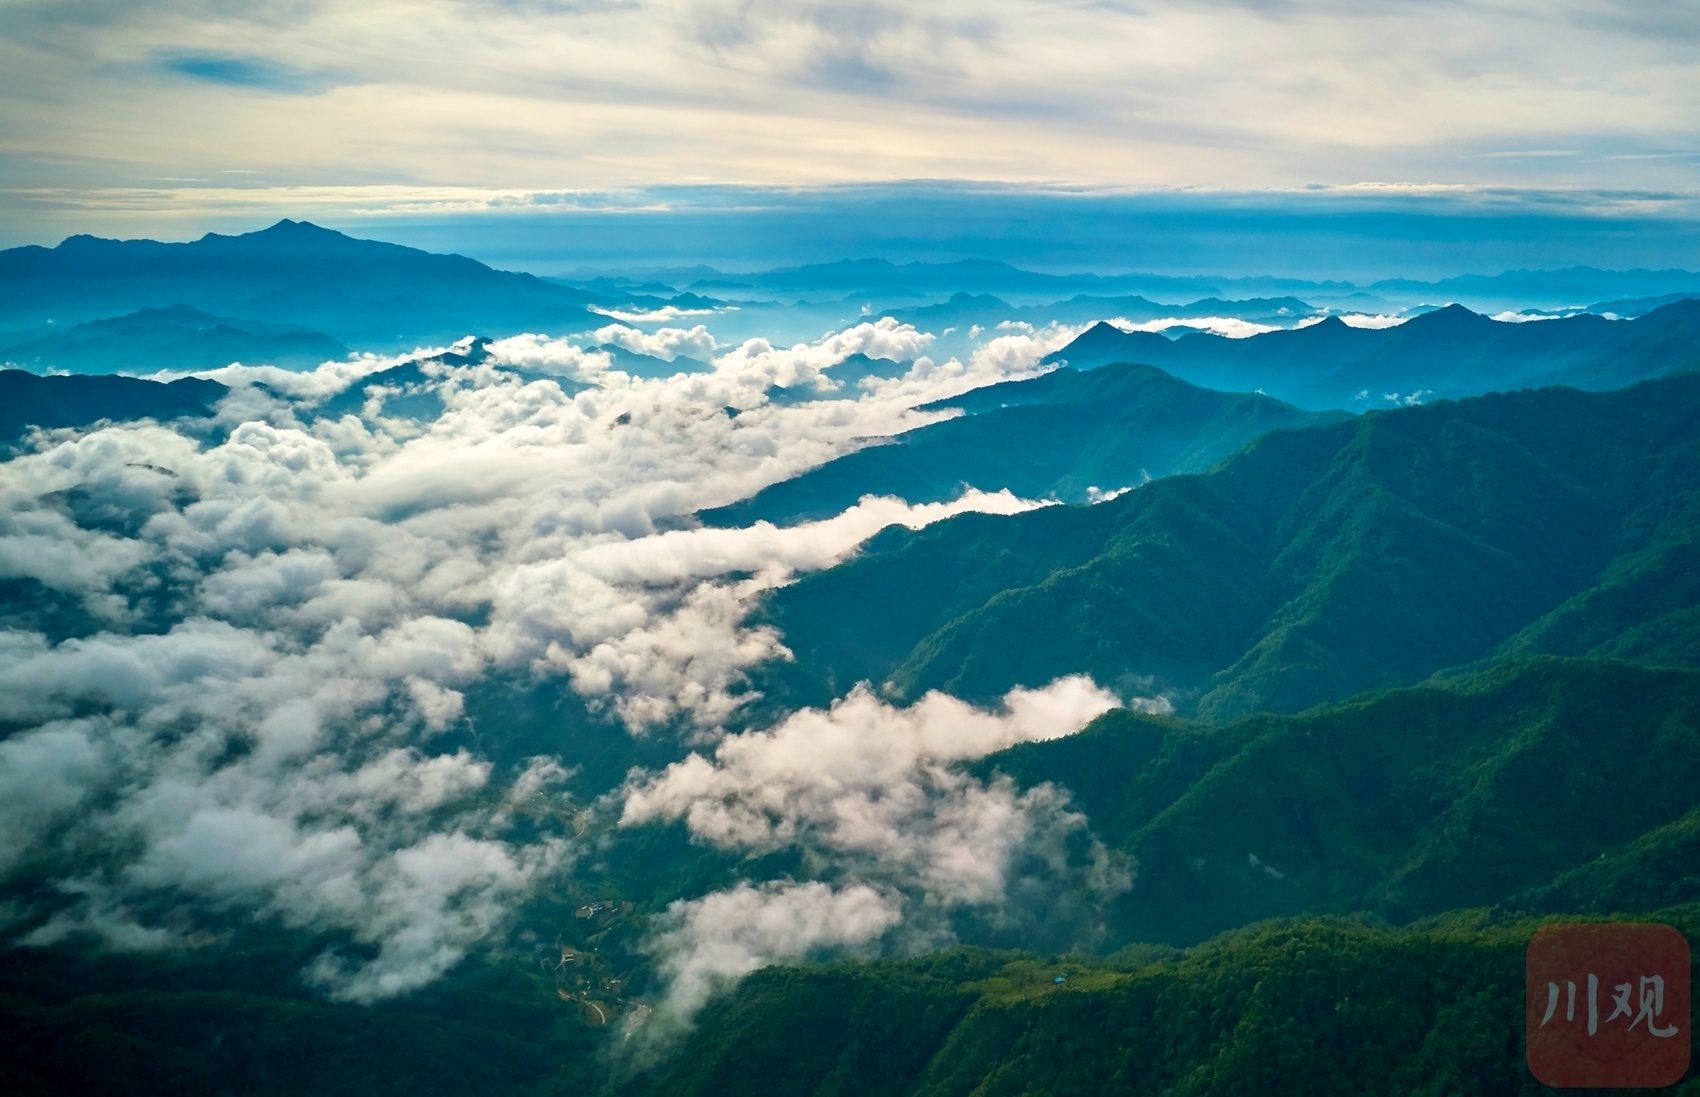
{"x": 473, "y": 119}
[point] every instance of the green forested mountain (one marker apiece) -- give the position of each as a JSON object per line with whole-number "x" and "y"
{"x": 1449, "y": 352}
{"x": 1314, "y": 564}
{"x": 1407, "y": 843}
{"x": 238, "y": 1021}
{"x": 1537, "y": 782}
{"x": 1540, "y": 790}
{"x": 1055, "y": 436}
{"x": 1313, "y": 1006}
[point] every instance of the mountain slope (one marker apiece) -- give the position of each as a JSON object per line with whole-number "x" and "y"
{"x": 1494, "y": 787}
{"x": 1061, "y": 435}
{"x": 27, "y": 400}
{"x": 177, "y": 338}
{"x": 1449, "y": 352}
{"x": 1315, "y": 1006}
{"x": 1312, "y": 565}
{"x": 1539, "y": 790}
{"x": 363, "y": 292}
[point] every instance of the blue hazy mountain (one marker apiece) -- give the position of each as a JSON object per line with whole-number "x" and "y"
{"x": 1446, "y": 352}
{"x": 1567, "y": 288}
{"x": 78, "y": 401}
{"x": 973, "y": 276}
{"x": 177, "y": 337}
{"x": 987, "y": 310}
{"x": 362, "y": 292}
{"x": 1632, "y": 307}
{"x": 647, "y": 365}
{"x": 1313, "y": 564}
{"x": 1056, "y": 436}
{"x": 1570, "y": 286}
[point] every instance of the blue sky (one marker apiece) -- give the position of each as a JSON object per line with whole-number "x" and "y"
{"x": 1322, "y": 134}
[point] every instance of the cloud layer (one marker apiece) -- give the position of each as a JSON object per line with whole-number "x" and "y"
{"x": 261, "y": 638}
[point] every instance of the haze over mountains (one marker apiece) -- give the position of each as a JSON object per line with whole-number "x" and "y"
{"x": 176, "y": 337}
{"x": 1573, "y": 288}
{"x": 295, "y": 294}
{"x": 1448, "y": 352}
{"x": 531, "y": 699}
{"x": 1065, "y": 435}
{"x": 361, "y": 292}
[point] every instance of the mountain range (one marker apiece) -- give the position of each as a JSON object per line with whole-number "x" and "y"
{"x": 1539, "y": 790}
{"x": 80, "y": 401}
{"x": 1400, "y": 684}
{"x": 1571, "y": 287}
{"x": 361, "y": 292}
{"x": 1064, "y": 435}
{"x": 1311, "y": 565}
{"x": 177, "y": 337}
{"x": 1448, "y": 352}
{"x": 988, "y": 311}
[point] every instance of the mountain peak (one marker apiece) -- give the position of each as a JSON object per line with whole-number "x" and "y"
{"x": 286, "y": 227}
{"x": 1452, "y": 317}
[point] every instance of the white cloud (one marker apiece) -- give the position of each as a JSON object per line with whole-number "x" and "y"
{"x": 666, "y": 343}
{"x": 44, "y": 774}
{"x": 806, "y": 363}
{"x": 1364, "y": 320}
{"x": 1018, "y": 354}
{"x": 557, "y": 356}
{"x": 660, "y": 315}
{"x": 707, "y": 944}
{"x": 872, "y": 794}
{"x": 1230, "y": 326}
{"x": 857, "y": 779}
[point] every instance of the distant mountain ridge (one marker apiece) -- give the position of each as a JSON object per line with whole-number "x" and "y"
{"x": 988, "y": 311}
{"x": 1571, "y": 287}
{"x": 1060, "y": 436}
{"x": 177, "y": 337}
{"x": 361, "y": 292}
{"x": 1448, "y": 352}
{"x": 79, "y": 401}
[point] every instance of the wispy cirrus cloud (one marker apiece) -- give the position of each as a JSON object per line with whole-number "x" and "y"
{"x": 520, "y": 95}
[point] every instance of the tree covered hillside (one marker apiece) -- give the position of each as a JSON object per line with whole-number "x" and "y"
{"x": 1303, "y": 1007}
{"x": 1544, "y": 783}
{"x": 1312, "y": 565}
{"x": 1061, "y": 436}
